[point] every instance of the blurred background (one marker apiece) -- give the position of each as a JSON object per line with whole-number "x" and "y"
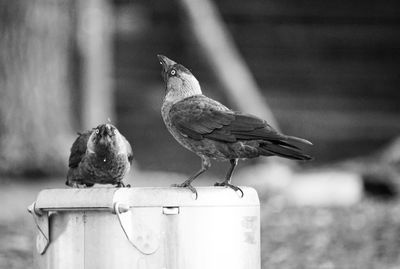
{"x": 327, "y": 71}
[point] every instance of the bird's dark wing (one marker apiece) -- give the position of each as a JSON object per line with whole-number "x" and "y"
{"x": 200, "y": 117}
{"x": 78, "y": 149}
{"x": 128, "y": 149}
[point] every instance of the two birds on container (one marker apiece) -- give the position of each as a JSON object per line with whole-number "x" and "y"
{"x": 200, "y": 124}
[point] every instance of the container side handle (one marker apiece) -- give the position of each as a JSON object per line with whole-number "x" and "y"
{"x": 41, "y": 219}
{"x": 140, "y": 237}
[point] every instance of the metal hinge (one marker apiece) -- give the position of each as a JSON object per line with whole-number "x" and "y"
{"x": 41, "y": 219}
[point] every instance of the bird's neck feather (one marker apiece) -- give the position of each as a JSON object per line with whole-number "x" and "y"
{"x": 189, "y": 87}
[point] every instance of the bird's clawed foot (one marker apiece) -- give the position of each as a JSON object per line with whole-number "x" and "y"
{"x": 229, "y": 185}
{"x": 186, "y": 184}
{"x": 76, "y": 185}
{"x": 122, "y": 185}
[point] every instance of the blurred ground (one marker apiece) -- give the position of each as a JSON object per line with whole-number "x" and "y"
{"x": 365, "y": 235}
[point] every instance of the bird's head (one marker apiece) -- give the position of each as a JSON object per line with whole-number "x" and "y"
{"x": 179, "y": 81}
{"x": 103, "y": 137}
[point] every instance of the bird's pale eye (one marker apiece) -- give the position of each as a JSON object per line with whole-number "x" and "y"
{"x": 97, "y": 131}
{"x": 173, "y": 72}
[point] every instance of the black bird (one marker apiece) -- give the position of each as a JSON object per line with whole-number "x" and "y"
{"x": 213, "y": 131}
{"x": 101, "y": 155}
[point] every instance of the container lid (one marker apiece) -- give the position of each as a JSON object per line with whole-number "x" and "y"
{"x": 105, "y": 198}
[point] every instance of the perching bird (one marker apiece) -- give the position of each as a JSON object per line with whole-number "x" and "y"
{"x": 101, "y": 155}
{"x": 213, "y": 131}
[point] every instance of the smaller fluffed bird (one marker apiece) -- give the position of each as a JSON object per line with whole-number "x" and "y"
{"x": 99, "y": 156}
{"x": 213, "y": 131}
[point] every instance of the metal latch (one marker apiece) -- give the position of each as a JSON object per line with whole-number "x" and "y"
{"x": 41, "y": 219}
{"x": 170, "y": 210}
{"x": 141, "y": 237}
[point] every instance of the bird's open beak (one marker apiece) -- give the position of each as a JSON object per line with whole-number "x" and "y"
{"x": 165, "y": 62}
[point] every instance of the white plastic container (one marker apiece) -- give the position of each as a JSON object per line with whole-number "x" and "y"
{"x": 147, "y": 228}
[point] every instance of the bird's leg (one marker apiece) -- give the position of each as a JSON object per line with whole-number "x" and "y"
{"x": 205, "y": 164}
{"x": 227, "y": 181}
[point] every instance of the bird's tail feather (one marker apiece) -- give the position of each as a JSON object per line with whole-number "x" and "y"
{"x": 283, "y": 150}
{"x": 298, "y": 140}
